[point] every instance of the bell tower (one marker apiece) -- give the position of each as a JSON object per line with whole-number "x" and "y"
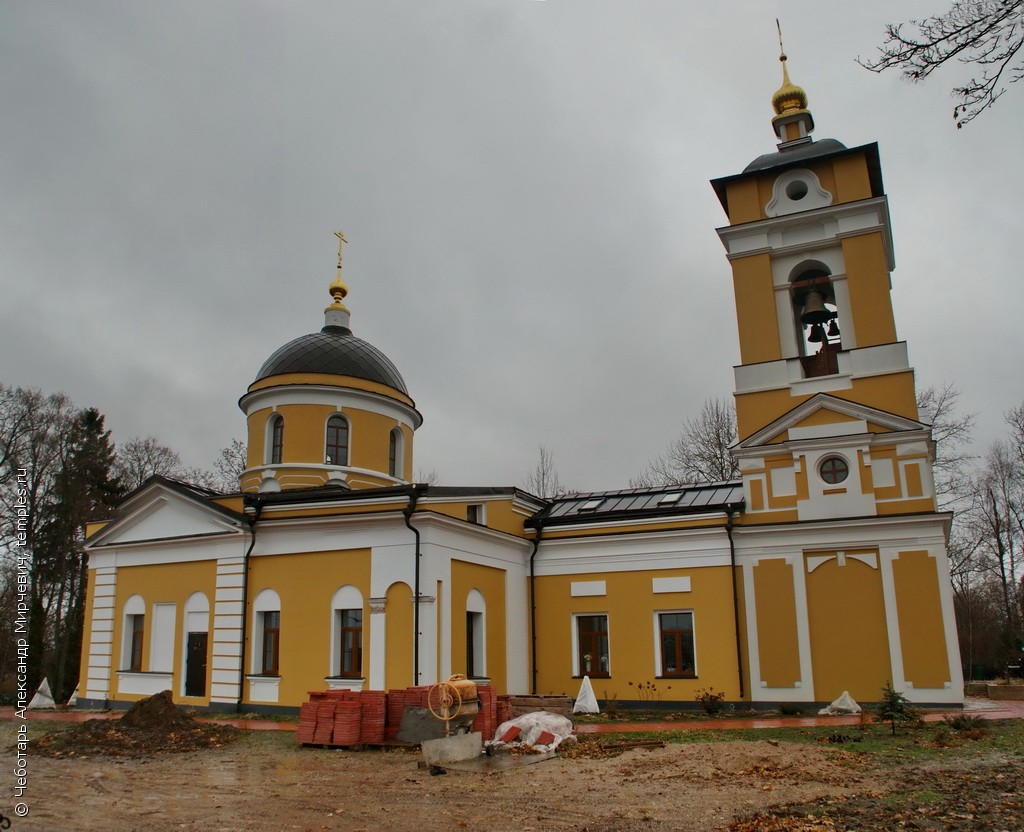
{"x": 810, "y": 246}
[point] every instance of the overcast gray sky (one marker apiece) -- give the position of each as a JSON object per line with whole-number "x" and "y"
{"x": 524, "y": 186}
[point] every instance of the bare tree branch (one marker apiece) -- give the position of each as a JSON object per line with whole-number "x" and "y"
{"x": 986, "y": 33}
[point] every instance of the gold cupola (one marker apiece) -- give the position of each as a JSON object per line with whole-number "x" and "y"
{"x": 793, "y": 122}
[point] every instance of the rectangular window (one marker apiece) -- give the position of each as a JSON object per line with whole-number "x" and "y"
{"x": 592, "y": 644}
{"x": 350, "y": 637}
{"x": 271, "y": 648}
{"x": 475, "y": 513}
{"x": 137, "y": 625}
{"x": 675, "y": 634}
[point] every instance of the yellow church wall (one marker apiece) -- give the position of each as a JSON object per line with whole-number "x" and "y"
{"x": 755, "y": 293}
{"x": 922, "y": 637}
{"x": 305, "y": 441}
{"x": 868, "y": 284}
{"x": 893, "y": 392}
{"x": 852, "y": 182}
{"x": 744, "y": 201}
{"x": 498, "y": 514}
{"x": 775, "y": 599}
{"x": 159, "y": 584}
{"x": 306, "y": 584}
{"x": 490, "y": 582}
{"x": 847, "y": 623}
{"x": 630, "y": 605}
{"x": 399, "y": 664}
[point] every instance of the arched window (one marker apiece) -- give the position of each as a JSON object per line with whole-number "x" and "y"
{"x": 395, "y": 452}
{"x": 336, "y": 451}
{"x": 816, "y": 317}
{"x": 196, "y": 644}
{"x": 132, "y": 633}
{"x": 266, "y": 660}
{"x": 347, "y": 633}
{"x": 275, "y": 439}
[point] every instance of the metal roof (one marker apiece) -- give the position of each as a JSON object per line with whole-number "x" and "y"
{"x": 668, "y": 501}
{"x": 336, "y": 351}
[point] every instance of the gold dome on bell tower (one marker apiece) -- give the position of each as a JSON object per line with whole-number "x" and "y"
{"x": 793, "y": 122}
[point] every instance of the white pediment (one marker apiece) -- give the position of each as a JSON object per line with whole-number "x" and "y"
{"x": 851, "y": 418}
{"x": 158, "y": 512}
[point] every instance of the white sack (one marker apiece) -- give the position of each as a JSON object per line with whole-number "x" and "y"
{"x": 586, "y": 702}
{"x": 843, "y": 705}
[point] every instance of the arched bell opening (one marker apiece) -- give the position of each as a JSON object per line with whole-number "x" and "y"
{"x": 816, "y": 317}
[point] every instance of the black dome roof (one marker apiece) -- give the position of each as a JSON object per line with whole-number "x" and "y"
{"x": 334, "y": 350}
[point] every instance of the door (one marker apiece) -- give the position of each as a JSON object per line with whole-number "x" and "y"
{"x": 195, "y": 665}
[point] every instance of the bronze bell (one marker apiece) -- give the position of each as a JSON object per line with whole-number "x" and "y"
{"x": 817, "y": 334}
{"x": 833, "y": 329}
{"x": 814, "y": 309}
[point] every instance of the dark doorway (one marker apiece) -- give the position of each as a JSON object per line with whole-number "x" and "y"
{"x": 195, "y": 665}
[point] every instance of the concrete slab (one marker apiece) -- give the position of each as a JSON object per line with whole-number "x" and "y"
{"x": 453, "y": 749}
{"x": 500, "y": 761}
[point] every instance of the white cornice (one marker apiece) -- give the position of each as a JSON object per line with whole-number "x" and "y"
{"x": 835, "y": 222}
{"x": 337, "y": 397}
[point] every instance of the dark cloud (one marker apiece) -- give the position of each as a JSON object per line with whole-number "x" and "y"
{"x": 524, "y": 186}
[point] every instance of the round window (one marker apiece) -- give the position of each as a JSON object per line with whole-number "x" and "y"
{"x": 833, "y": 470}
{"x": 796, "y": 190}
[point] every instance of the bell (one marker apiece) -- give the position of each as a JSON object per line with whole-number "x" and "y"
{"x": 814, "y": 309}
{"x": 833, "y": 329}
{"x": 817, "y": 334}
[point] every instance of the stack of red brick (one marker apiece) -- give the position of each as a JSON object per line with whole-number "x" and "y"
{"x": 342, "y": 717}
{"x": 370, "y": 717}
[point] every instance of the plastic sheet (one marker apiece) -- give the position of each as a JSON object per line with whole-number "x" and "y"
{"x": 539, "y": 731}
{"x": 843, "y": 705}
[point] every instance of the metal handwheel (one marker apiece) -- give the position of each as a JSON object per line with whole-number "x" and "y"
{"x": 444, "y": 702}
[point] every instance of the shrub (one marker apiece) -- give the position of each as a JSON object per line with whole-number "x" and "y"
{"x": 710, "y": 700}
{"x": 965, "y": 722}
{"x": 895, "y": 707}
{"x": 648, "y": 691}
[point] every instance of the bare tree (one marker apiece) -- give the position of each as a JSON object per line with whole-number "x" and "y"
{"x": 986, "y": 33}
{"x": 424, "y": 476}
{"x": 700, "y": 453}
{"x": 543, "y": 480}
{"x": 142, "y": 457}
{"x": 230, "y": 464}
{"x": 951, "y": 431}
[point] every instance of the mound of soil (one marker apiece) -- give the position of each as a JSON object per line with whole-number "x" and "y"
{"x": 151, "y": 726}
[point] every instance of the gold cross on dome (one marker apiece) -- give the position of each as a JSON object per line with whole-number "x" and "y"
{"x": 341, "y": 241}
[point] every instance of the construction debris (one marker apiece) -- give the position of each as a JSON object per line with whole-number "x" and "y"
{"x": 152, "y": 726}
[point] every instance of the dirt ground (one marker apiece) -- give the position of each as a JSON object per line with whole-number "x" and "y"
{"x": 264, "y": 781}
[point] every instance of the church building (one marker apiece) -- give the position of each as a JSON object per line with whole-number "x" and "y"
{"x": 823, "y": 568}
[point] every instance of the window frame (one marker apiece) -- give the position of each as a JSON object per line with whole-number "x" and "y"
{"x": 138, "y": 634}
{"x": 659, "y": 652}
{"x": 270, "y": 637}
{"x": 578, "y": 660}
{"x": 329, "y": 458}
{"x": 395, "y": 460}
{"x": 833, "y": 461}
{"x": 275, "y": 439}
{"x": 355, "y": 672}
